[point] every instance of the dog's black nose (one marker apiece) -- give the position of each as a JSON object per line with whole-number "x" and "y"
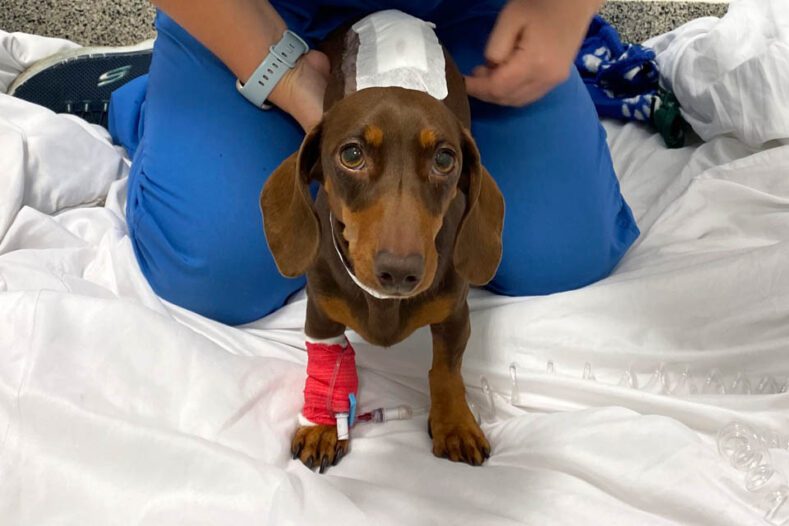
{"x": 397, "y": 274}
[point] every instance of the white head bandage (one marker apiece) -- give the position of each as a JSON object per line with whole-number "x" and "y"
{"x": 397, "y": 49}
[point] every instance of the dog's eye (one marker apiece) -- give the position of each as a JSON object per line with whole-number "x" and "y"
{"x": 444, "y": 160}
{"x": 352, "y": 156}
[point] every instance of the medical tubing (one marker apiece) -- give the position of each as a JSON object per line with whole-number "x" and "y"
{"x": 333, "y": 381}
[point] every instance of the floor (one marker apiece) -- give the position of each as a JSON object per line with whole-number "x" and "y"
{"x": 116, "y": 22}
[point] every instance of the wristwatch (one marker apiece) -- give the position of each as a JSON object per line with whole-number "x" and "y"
{"x": 281, "y": 58}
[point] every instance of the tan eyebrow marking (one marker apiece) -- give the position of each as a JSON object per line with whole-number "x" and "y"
{"x": 373, "y": 135}
{"x": 428, "y": 138}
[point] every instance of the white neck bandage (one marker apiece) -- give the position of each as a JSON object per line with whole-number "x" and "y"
{"x": 397, "y": 49}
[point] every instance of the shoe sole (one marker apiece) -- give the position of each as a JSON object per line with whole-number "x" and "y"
{"x": 81, "y": 80}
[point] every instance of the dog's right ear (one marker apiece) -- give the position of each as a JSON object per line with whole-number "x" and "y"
{"x": 289, "y": 219}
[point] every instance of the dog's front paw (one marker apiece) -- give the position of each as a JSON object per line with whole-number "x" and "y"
{"x": 458, "y": 438}
{"x": 318, "y": 446}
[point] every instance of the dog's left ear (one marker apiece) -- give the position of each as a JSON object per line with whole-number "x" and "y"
{"x": 478, "y": 244}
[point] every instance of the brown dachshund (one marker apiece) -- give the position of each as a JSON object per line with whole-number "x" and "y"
{"x": 404, "y": 204}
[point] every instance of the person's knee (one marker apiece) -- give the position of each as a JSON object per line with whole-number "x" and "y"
{"x": 125, "y": 113}
{"x": 221, "y": 277}
{"x": 538, "y": 274}
{"x": 556, "y": 261}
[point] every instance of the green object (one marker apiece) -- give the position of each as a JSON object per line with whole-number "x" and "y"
{"x": 668, "y": 119}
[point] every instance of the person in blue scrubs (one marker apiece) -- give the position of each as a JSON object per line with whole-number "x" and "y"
{"x": 202, "y": 152}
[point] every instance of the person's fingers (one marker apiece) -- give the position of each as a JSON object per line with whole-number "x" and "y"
{"x": 518, "y": 70}
{"x": 487, "y": 90}
{"x": 484, "y": 88}
{"x": 477, "y": 84}
{"x": 522, "y": 80}
{"x": 479, "y": 88}
{"x": 505, "y": 79}
{"x": 530, "y": 50}
{"x": 529, "y": 93}
{"x": 480, "y": 71}
{"x": 504, "y": 37}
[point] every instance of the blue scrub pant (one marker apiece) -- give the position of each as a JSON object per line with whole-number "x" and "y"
{"x": 201, "y": 154}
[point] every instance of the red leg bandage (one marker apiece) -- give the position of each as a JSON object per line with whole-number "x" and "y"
{"x": 327, "y": 363}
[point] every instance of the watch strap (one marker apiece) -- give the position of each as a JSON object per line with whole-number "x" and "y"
{"x": 281, "y": 58}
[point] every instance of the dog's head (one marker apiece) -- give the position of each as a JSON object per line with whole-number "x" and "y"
{"x": 391, "y": 161}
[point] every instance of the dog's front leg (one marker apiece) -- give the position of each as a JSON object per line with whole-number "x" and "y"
{"x": 317, "y": 445}
{"x": 455, "y": 433}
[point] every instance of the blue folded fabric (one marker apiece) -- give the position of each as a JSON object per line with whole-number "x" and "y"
{"x": 621, "y": 78}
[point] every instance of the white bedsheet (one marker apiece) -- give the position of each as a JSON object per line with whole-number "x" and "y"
{"x": 117, "y": 408}
{"x": 729, "y": 74}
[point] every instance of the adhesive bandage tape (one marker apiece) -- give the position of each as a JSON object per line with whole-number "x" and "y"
{"x": 397, "y": 49}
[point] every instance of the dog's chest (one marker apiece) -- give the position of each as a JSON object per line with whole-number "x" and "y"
{"x": 394, "y": 49}
{"x": 387, "y": 322}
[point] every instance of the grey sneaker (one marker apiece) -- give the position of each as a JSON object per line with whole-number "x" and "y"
{"x": 80, "y": 81}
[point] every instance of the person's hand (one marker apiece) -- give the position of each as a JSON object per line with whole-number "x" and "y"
{"x": 531, "y": 50}
{"x": 300, "y": 92}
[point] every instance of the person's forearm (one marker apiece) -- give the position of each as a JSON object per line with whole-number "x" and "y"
{"x": 239, "y": 32}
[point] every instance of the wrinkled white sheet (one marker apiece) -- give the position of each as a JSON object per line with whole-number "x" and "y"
{"x": 729, "y": 74}
{"x": 18, "y": 51}
{"x": 117, "y": 408}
